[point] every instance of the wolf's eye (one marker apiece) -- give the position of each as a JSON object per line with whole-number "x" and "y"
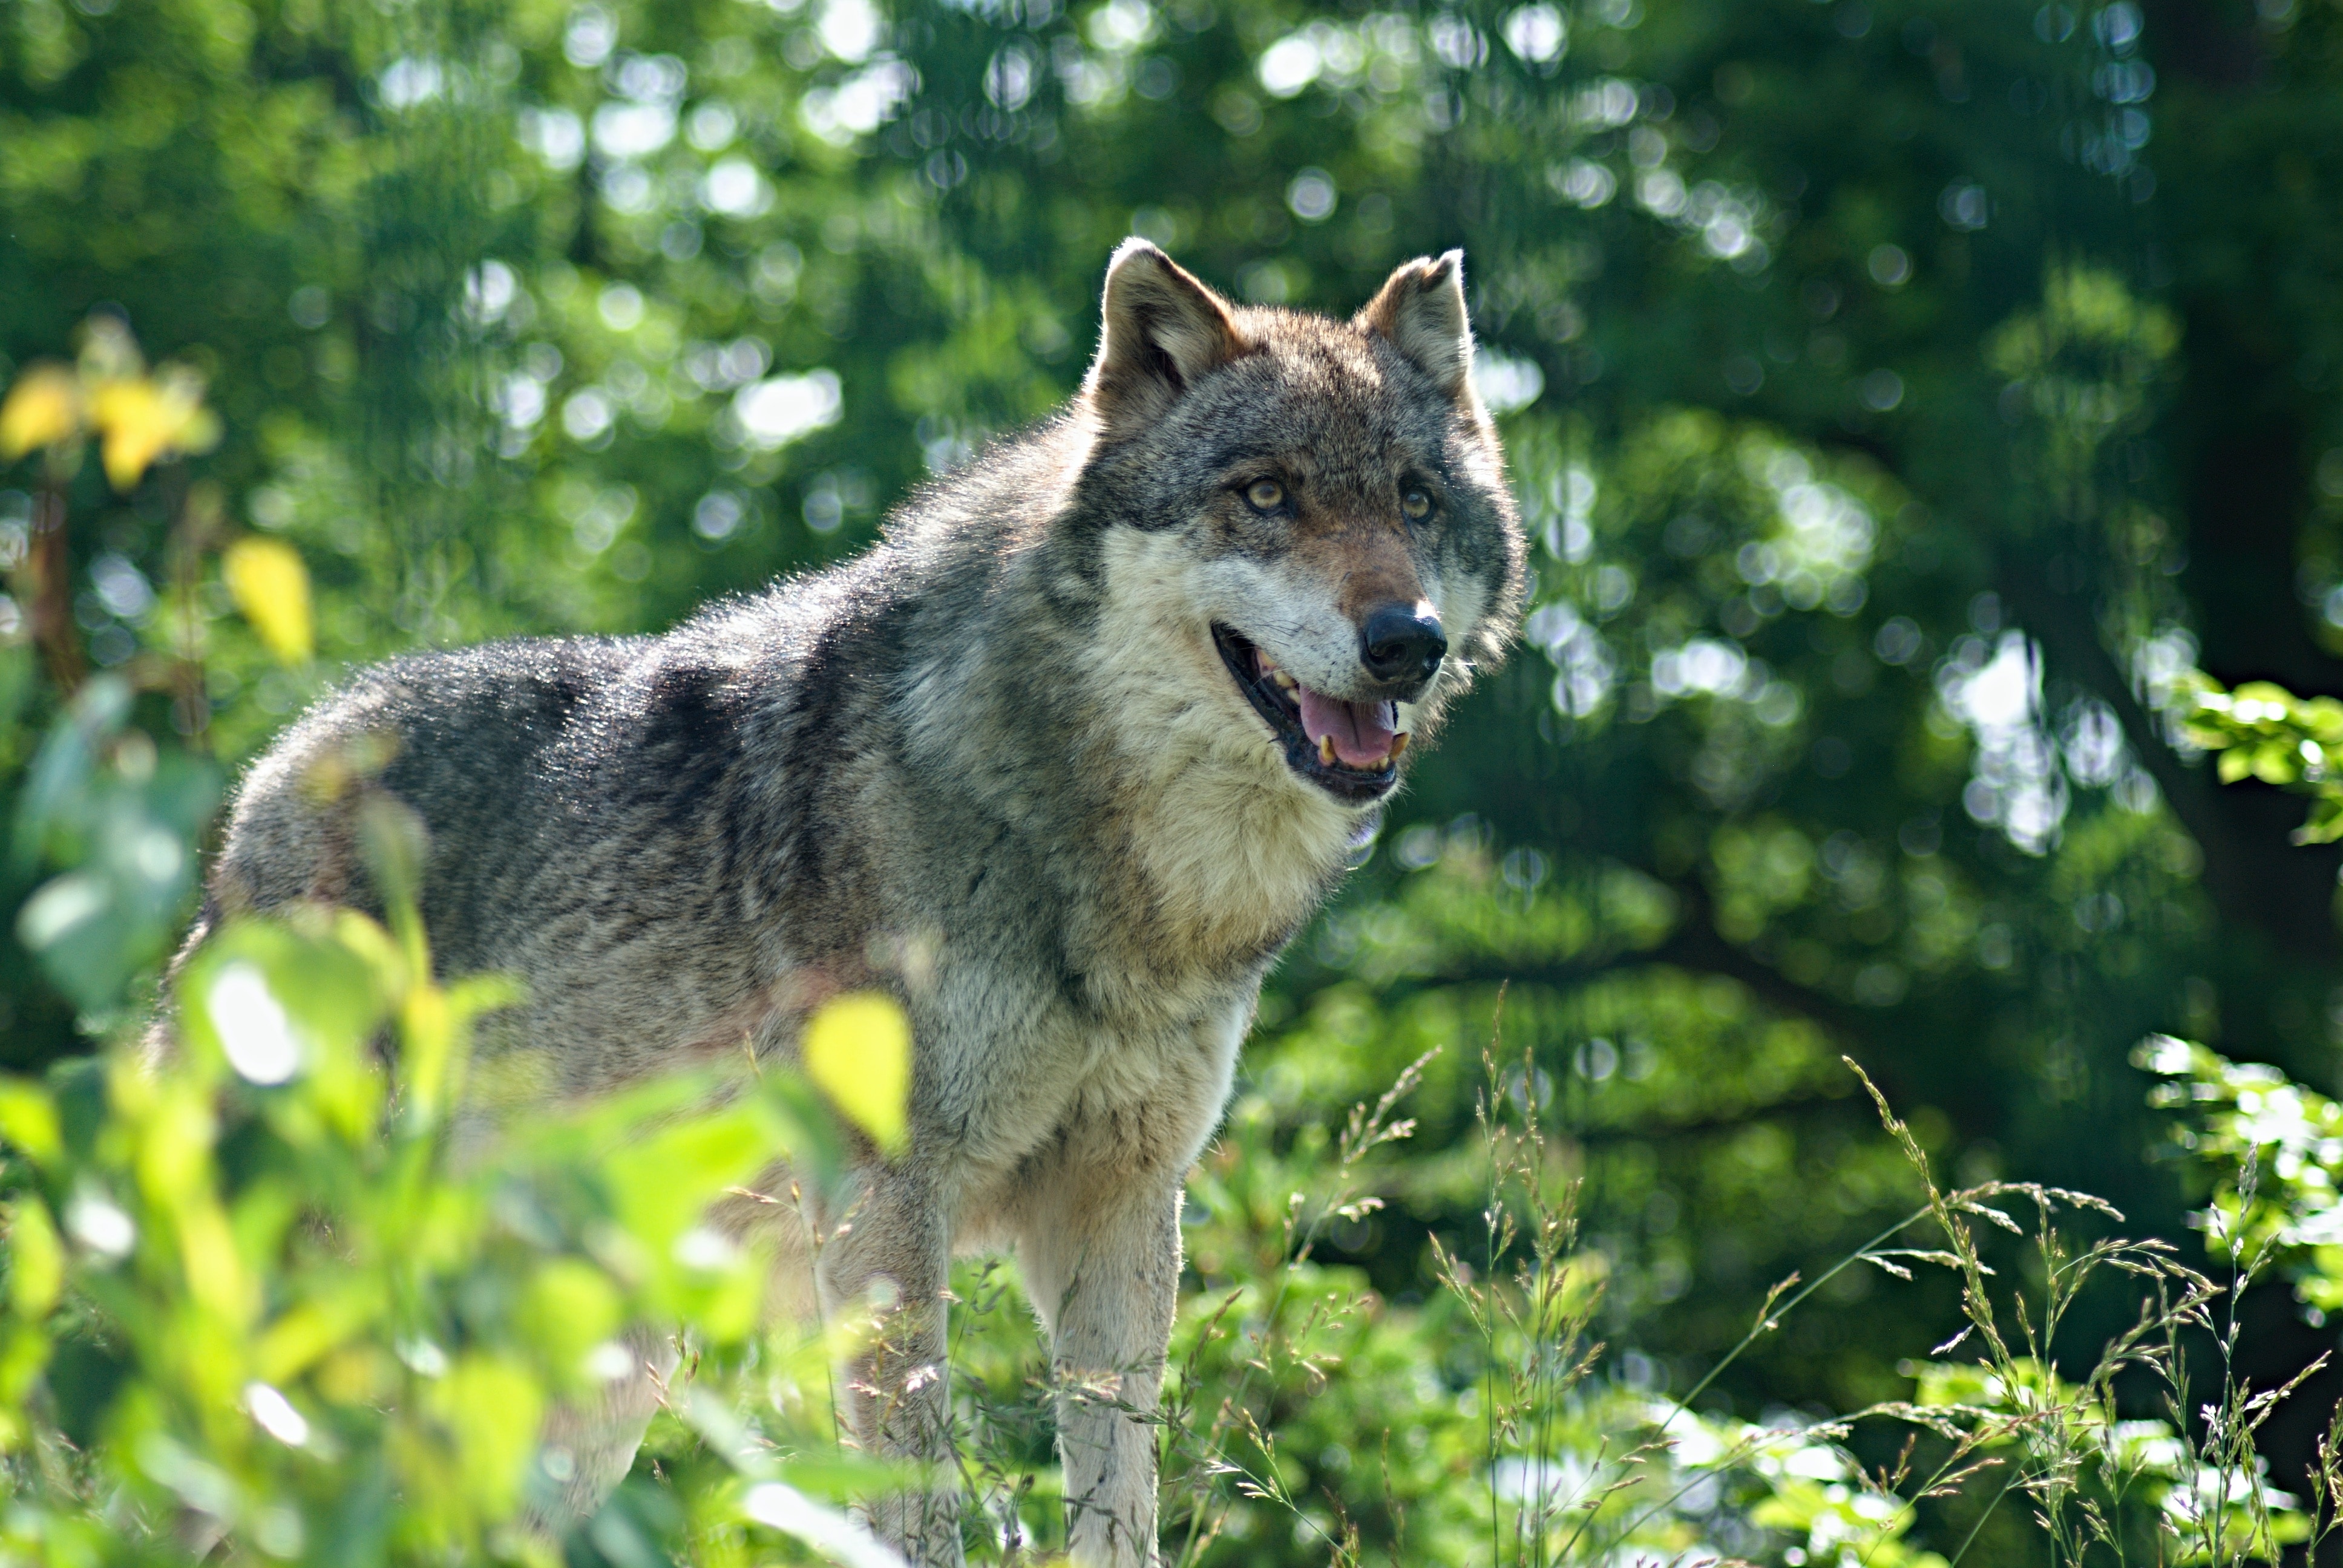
{"x": 1415, "y": 504}
{"x": 1265, "y": 495}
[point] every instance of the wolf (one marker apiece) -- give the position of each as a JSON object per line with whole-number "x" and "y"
{"x": 1061, "y": 763}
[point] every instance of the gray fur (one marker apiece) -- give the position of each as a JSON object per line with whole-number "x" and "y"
{"x": 994, "y": 766}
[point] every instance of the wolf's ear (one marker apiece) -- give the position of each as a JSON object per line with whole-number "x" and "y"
{"x": 1421, "y": 310}
{"x": 1160, "y": 331}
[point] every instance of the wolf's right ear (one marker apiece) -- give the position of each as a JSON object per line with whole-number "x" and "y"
{"x": 1160, "y": 331}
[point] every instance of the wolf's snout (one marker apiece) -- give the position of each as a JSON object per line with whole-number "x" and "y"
{"x": 1403, "y": 643}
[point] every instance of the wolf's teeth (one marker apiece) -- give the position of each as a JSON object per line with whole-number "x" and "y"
{"x": 1284, "y": 681}
{"x": 1399, "y": 744}
{"x": 1326, "y": 749}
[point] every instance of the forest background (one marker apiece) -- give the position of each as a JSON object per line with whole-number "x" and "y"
{"x": 1906, "y": 401}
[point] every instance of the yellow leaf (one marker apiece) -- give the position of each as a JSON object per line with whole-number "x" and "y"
{"x": 568, "y": 1307}
{"x": 43, "y": 408}
{"x": 174, "y": 1140}
{"x": 144, "y": 419}
{"x": 271, "y": 586}
{"x": 36, "y": 1260}
{"x": 858, "y": 1050}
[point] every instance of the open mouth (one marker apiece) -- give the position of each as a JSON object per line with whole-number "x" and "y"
{"x": 1351, "y": 749}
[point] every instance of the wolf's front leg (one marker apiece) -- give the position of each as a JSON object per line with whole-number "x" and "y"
{"x": 1103, "y": 1268}
{"x": 590, "y": 1442}
{"x": 898, "y": 1393}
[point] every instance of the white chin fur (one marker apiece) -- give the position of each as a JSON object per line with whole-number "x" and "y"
{"x": 1228, "y": 825}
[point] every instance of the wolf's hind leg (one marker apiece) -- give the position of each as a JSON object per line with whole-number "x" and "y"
{"x": 896, "y": 1390}
{"x": 1103, "y": 1270}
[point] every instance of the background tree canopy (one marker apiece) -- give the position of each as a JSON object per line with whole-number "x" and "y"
{"x": 1906, "y": 398}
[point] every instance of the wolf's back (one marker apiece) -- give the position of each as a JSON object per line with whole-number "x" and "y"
{"x": 642, "y": 831}
{"x": 463, "y": 739}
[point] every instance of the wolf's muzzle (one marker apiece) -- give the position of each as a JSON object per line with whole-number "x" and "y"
{"x": 1349, "y": 749}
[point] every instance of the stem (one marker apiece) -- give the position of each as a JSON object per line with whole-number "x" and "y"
{"x": 49, "y": 566}
{"x": 1638, "y": 1522}
{"x": 197, "y": 516}
{"x": 1768, "y": 1320}
{"x": 1291, "y": 1258}
{"x": 1774, "y": 1315}
{"x": 1970, "y": 1539}
{"x": 1489, "y": 1333}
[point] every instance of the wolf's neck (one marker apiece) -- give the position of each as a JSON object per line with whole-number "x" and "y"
{"x": 1101, "y": 724}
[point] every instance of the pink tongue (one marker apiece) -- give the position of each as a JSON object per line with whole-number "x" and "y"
{"x": 1362, "y": 731}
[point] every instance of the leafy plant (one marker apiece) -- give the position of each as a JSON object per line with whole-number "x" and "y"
{"x": 2261, "y": 730}
{"x": 274, "y": 1297}
{"x": 103, "y": 802}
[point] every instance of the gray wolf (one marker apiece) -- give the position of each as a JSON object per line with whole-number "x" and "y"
{"x": 1062, "y": 762}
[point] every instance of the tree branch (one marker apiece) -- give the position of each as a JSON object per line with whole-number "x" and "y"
{"x": 1693, "y": 944}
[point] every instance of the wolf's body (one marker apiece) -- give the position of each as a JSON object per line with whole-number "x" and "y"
{"x": 1026, "y": 764}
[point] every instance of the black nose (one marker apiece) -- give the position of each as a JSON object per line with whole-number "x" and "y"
{"x": 1398, "y": 644}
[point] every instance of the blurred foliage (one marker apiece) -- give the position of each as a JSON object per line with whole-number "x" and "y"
{"x": 1915, "y": 406}
{"x": 271, "y": 1304}
{"x": 2264, "y": 732}
{"x": 2277, "y": 1149}
{"x": 102, "y": 799}
{"x": 298, "y": 1298}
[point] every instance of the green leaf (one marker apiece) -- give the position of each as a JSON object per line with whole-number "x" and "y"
{"x": 37, "y": 1259}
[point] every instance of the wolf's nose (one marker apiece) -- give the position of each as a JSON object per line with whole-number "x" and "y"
{"x": 1398, "y": 643}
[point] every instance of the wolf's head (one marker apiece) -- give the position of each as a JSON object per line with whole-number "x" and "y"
{"x": 1320, "y": 504}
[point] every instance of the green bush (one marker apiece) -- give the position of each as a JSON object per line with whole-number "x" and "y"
{"x": 276, "y": 1296}
{"x": 299, "y": 1293}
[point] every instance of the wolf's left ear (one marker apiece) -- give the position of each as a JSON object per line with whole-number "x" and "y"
{"x": 1420, "y": 310}
{"x": 1161, "y": 330}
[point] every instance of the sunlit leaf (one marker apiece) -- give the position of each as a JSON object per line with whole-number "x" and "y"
{"x": 489, "y": 1407}
{"x": 2325, "y": 824}
{"x": 43, "y": 408}
{"x": 141, "y": 420}
{"x": 271, "y": 586}
{"x": 37, "y": 1259}
{"x": 309, "y": 1330}
{"x": 217, "y": 1278}
{"x": 858, "y": 1048}
{"x": 568, "y": 1307}
{"x": 836, "y": 1536}
{"x": 28, "y": 1119}
{"x": 271, "y": 1002}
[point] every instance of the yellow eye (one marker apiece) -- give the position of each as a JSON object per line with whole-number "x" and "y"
{"x": 1266, "y": 494}
{"x": 1415, "y": 504}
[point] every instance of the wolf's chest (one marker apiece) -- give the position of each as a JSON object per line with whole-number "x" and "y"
{"x": 1074, "y": 1096}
